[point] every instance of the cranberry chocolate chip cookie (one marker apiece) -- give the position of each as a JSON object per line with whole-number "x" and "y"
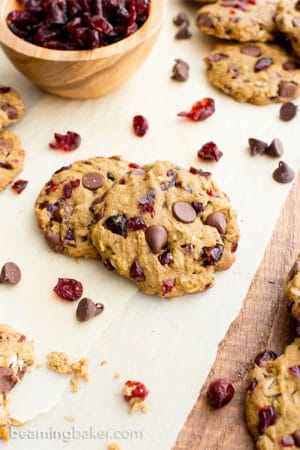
{"x": 11, "y": 106}
{"x": 288, "y": 21}
{"x": 16, "y": 354}
{"x": 272, "y": 399}
{"x": 65, "y": 206}
{"x": 241, "y": 20}
{"x": 292, "y": 289}
{"x": 167, "y": 229}
{"x": 11, "y": 157}
{"x": 255, "y": 73}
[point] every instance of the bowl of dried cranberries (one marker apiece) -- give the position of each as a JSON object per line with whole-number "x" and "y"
{"x": 79, "y": 48}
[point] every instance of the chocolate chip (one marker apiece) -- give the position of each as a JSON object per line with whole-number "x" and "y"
{"x": 283, "y": 173}
{"x": 257, "y": 147}
{"x": 93, "y": 180}
{"x": 250, "y": 50}
{"x": 11, "y": 111}
{"x": 53, "y": 240}
{"x": 138, "y": 171}
{"x": 288, "y": 111}
{"x": 297, "y": 6}
{"x": 180, "y": 19}
{"x": 296, "y": 434}
{"x": 290, "y": 66}
{"x": 294, "y": 270}
{"x": 10, "y": 273}
{"x": 87, "y": 309}
{"x": 286, "y": 89}
{"x": 205, "y": 21}
{"x": 184, "y": 212}
{"x": 7, "y": 380}
{"x": 183, "y": 32}
{"x": 180, "y": 70}
{"x": 218, "y": 220}
{"x": 275, "y": 148}
{"x": 156, "y": 237}
{"x": 215, "y": 57}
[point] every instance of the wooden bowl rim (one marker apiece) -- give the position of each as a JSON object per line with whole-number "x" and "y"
{"x": 10, "y": 40}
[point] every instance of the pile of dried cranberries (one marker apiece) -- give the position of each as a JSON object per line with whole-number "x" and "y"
{"x": 77, "y": 24}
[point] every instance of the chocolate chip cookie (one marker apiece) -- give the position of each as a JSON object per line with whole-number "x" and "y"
{"x": 167, "y": 229}
{"x": 255, "y": 73}
{"x": 16, "y": 354}
{"x": 239, "y": 20}
{"x": 65, "y": 205}
{"x": 11, "y": 157}
{"x": 273, "y": 399}
{"x": 11, "y": 106}
{"x": 288, "y": 21}
{"x": 292, "y": 289}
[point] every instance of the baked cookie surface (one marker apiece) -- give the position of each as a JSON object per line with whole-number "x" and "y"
{"x": 167, "y": 229}
{"x": 288, "y": 21}
{"x": 292, "y": 289}
{"x": 11, "y": 106}
{"x": 11, "y": 157}
{"x": 239, "y": 20}
{"x": 273, "y": 399}
{"x": 64, "y": 207}
{"x": 254, "y": 72}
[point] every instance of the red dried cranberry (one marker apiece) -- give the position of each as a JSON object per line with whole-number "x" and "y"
{"x": 210, "y": 152}
{"x": 267, "y": 417}
{"x": 5, "y": 165}
{"x": 213, "y": 254}
{"x": 137, "y": 390}
{"x": 168, "y": 286}
{"x": 136, "y": 272}
{"x": 117, "y": 224}
{"x": 19, "y": 186}
{"x": 136, "y": 223}
{"x": 4, "y": 89}
{"x": 294, "y": 370}
{"x": 134, "y": 166}
{"x": 287, "y": 441}
{"x": 68, "y": 187}
{"x": 200, "y": 110}
{"x": 146, "y": 203}
{"x": 219, "y": 393}
{"x": 198, "y": 207}
{"x": 51, "y": 187}
{"x": 234, "y": 247}
{"x": 200, "y": 172}
{"x": 66, "y": 142}
{"x": 262, "y": 64}
{"x": 263, "y": 358}
{"x": 140, "y": 125}
{"x": 68, "y": 289}
{"x": 252, "y": 386}
{"x": 165, "y": 258}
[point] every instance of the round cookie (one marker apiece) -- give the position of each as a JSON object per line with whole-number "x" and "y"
{"x": 239, "y": 20}
{"x": 288, "y": 21}
{"x": 11, "y": 106}
{"x": 65, "y": 205}
{"x": 255, "y": 73}
{"x": 167, "y": 229}
{"x": 292, "y": 289}
{"x": 11, "y": 157}
{"x": 273, "y": 399}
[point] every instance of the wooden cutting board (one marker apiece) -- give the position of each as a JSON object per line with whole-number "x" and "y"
{"x": 263, "y": 322}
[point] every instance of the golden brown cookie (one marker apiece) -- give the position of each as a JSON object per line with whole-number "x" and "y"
{"x": 167, "y": 229}
{"x": 255, "y": 72}
{"x": 64, "y": 207}
{"x": 288, "y": 21}
{"x": 292, "y": 290}
{"x": 273, "y": 399}
{"x": 11, "y": 106}
{"x": 11, "y": 157}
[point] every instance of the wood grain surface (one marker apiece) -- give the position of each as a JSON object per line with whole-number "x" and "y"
{"x": 263, "y": 322}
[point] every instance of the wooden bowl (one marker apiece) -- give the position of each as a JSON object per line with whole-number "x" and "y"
{"x": 81, "y": 73}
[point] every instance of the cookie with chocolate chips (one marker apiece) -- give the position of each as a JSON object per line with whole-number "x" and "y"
{"x": 11, "y": 157}
{"x": 167, "y": 229}
{"x": 239, "y": 20}
{"x": 11, "y": 106}
{"x": 292, "y": 289}
{"x": 255, "y": 73}
{"x": 65, "y": 205}
{"x": 273, "y": 399}
{"x": 288, "y": 21}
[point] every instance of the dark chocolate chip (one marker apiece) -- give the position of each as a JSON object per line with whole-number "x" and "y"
{"x": 184, "y": 212}
{"x": 275, "y": 148}
{"x": 53, "y": 240}
{"x": 180, "y": 19}
{"x": 215, "y": 57}
{"x": 93, "y": 180}
{"x": 257, "y": 147}
{"x": 297, "y": 6}
{"x": 250, "y": 50}
{"x": 10, "y": 273}
{"x": 183, "y": 32}
{"x": 11, "y": 111}
{"x": 180, "y": 70}
{"x": 288, "y": 111}
{"x": 296, "y": 434}
{"x": 290, "y": 66}
{"x": 7, "y": 380}
{"x": 283, "y": 173}
{"x": 286, "y": 89}
{"x": 263, "y": 64}
{"x": 294, "y": 270}
{"x": 218, "y": 220}
{"x": 156, "y": 237}
{"x": 87, "y": 309}
{"x": 205, "y": 21}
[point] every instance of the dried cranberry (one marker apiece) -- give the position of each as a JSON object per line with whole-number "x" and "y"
{"x": 68, "y": 289}
{"x": 168, "y": 286}
{"x": 5, "y": 165}
{"x": 165, "y": 258}
{"x": 187, "y": 248}
{"x": 198, "y": 207}
{"x": 209, "y": 152}
{"x": 252, "y": 386}
{"x": 136, "y": 272}
{"x": 4, "y": 89}
{"x": 219, "y": 393}
{"x": 66, "y": 142}
{"x": 234, "y": 247}
{"x": 263, "y": 358}
{"x": 200, "y": 172}
{"x": 287, "y": 441}
{"x": 262, "y": 64}
{"x": 135, "y": 389}
{"x": 140, "y": 125}
{"x": 51, "y": 186}
{"x": 136, "y": 223}
{"x": 267, "y": 417}
{"x": 146, "y": 203}
{"x": 68, "y": 187}
{"x": 117, "y": 224}
{"x": 134, "y": 166}
{"x": 294, "y": 370}
{"x": 213, "y": 254}
{"x": 165, "y": 185}
{"x": 200, "y": 110}
{"x": 19, "y": 186}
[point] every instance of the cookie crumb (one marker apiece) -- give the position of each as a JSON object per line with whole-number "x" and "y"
{"x": 103, "y": 363}
{"x": 114, "y": 446}
{"x": 117, "y": 375}
{"x": 70, "y": 418}
{"x": 136, "y": 404}
{"x": 58, "y": 362}
{"x": 39, "y": 366}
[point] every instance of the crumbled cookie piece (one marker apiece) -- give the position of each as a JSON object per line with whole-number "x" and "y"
{"x": 114, "y": 446}
{"x": 58, "y": 362}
